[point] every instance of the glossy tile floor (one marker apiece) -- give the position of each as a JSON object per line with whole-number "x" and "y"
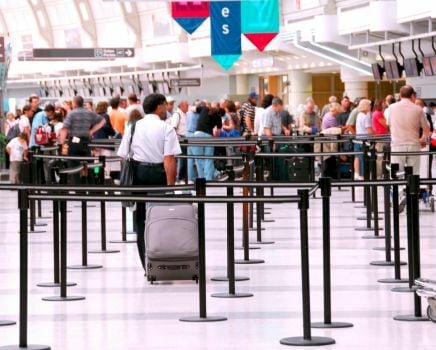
{"x": 123, "y": 311}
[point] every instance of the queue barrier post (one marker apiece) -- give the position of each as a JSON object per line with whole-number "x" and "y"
{"x": 123, "y": 228}
{"x": 258, "y": 162}
{"x": 325, "y": 184}
{"x": 63, "y": 259}
{"x": 31, "y": 178}
{"x": 306, "y": 339}
{"x": 245, "y": 229}
{"x": 231, "y": 278}
{"x": 413, "y": 236}
{"x": 200, "y": 188}
{"x": 366, "y": 191}
{"x": 23, "y": 205}
{"x": 396, "y": 228}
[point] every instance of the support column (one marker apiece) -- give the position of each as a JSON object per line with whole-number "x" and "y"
{"x": 356, "y": 85}
{"x": 300, "y": 88}
{"x": 242, "y": 84}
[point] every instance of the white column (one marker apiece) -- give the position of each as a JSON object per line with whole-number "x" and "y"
{"x": 242, "y": 85}
{"x": 300, "y": 88}
{"x": 354, "y": 89}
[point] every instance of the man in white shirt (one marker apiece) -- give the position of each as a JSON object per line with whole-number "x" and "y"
{"x": 24, "y": 121}
{"x": 179, "y": 122}
{"x": 154, "y": 147}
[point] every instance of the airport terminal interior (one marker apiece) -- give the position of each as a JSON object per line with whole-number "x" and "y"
{"x": 275, "y": 155}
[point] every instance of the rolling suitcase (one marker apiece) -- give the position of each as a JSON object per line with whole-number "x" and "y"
{"x": 292, "y": 169}
{"x": 171, "y": 250}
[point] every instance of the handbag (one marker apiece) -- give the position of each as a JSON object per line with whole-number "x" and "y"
{"x": 127, "y": 170}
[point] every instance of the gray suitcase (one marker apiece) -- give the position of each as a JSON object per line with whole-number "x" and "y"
{"x": 171, "y": 242}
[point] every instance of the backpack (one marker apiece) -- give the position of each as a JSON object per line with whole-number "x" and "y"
{"x": 13, "y": 132}
{"x": 42, "y": 137}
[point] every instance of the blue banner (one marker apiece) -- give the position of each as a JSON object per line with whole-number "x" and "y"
{"x": 225, "y": 23}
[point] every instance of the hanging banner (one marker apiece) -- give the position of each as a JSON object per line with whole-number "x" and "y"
{"x": 190, "y": 14}
{"x": 225, "y": 24}
{"x": 260, "y": 21}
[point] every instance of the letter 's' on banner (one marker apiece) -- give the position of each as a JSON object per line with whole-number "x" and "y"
{"x": 190, "y": 14}
{"x": 260, "y": 21}
{"x": 225, "y": 23}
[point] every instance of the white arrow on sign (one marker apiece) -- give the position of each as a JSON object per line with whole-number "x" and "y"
{"x": 129, "y": 53}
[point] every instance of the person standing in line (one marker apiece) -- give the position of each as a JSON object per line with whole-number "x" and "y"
{"x": 117, "y": 117}
{"x": 380, "y": 128}
{"x": 191, "y": 125}
{"x": 78, "y": 128}
{"x": 363, "y": 127}
{"x": 24, "y": 120}
{"x": 178, "y": 122}
{"x": 154, "y": 147}
{"x": 247, "y": 112}
{"x": 10, "y": 122}
{"x": 17, "y": 150}
{"x": 406, "y": 119}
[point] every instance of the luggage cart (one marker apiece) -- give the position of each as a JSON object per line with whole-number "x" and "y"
{"x": 427, "y": 289}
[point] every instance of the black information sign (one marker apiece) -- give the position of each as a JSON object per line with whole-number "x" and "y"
{"x": 99, "y": 53}
{"x": 188, "y": 82}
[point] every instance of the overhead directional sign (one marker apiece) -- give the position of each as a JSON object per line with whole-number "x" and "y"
{"x": 2, "y": 50}
{"x": 188, "y": 82}
{"x": 89, "y": 53}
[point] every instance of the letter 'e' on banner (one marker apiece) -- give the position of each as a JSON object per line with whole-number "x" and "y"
{"x": 225, "y": 23}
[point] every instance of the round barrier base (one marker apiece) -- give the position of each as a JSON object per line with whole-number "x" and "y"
{"x": 40, "y": 224}
{"x": 252, "y": 229}
{"x": 28, "y": 347}
{"x": 262, "y": 242}
{"x": 88, "y": 206}
{"x": 313, "y": 341}
{"x": 268, "y": 220}
{"x": 103, "y": 251}
{"x": 251, "y": 261}
{"x": 373, "y": 237}
{"x": 364, "y": 218}
{"x": 403, "y": 289}
{"x": 392, "y": 280}
{"x": 7, "y": 323}
{"x": 351, "y": 202}
{"x": 228, "y": 295}
{"x": 411, "y": 318}
{"x": 384, "y": 248}
{"x": 54, "y": 284}
{"x": 121, "y": 241}
{"x": 226, "y": 279}
{"x": 84, "y": 267}
{"x": 364, "y": 229}
{"x": 385, "y": 263}
{"x": 203, "y": 319}
{"x": 331, "y": 325}
{"x": 68, "y": 298}
{"x": 35, "y": 231}
{"x": 242, "y": 248}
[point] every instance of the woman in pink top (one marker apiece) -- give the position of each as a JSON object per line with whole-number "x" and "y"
{"x": 379, "y": 126}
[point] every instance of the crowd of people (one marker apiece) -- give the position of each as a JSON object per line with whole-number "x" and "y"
{"x": 75, "y": 122}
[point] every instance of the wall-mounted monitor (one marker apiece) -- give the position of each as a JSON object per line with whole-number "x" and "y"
{"x": 412, "y": 67}
{"x": 427, "y": 66}
{"x": 377, "y": 71}
{"x": 393, "y": 70}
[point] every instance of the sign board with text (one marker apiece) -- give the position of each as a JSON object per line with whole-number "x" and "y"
{"x": 188, "y": 82}
{"x": 84, "y": 53}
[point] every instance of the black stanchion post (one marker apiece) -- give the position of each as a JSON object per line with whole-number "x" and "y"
{"x": 23, "y": 205}
{"x": 31, "y": 178}
{"x": 200, "y": 187}
{"x": 251, "y": 194}
{"x": 123, "y": 228}
{"x": 231, "y": 249}
{"x": 306, "y": 339}
{"x": 396, "y": 228}
{"x": 259, "y": 206}
{"x": 374, "y": 197}
{"x": 413, "y": 192}
{"x": 326, "y": 192}
{"x": 63, "y": 270}
{"x": 245, "y": 230}
{"x": 366, "y": 191}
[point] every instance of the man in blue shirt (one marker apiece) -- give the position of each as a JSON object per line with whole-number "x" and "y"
{"x": 191, "y": 126}
{"x": 41, "y": 118}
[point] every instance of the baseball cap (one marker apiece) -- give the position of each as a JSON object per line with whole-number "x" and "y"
{"x": 253, "y": 95}
{"x": 170, "y": 99}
